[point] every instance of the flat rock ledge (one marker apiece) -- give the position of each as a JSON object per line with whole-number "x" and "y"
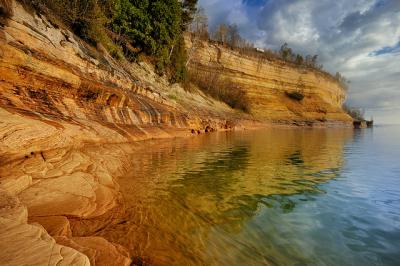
{"x": 29, "y": 244}
{"x": 23, "y": 243}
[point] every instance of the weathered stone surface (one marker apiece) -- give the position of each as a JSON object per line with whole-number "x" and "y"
{"x": 267, "y": 84}
{"x": 65, "y": 112}
{"x": 100, "y": 251}
{"x": 29, "y": 244}
{"x": 54, "y": 225}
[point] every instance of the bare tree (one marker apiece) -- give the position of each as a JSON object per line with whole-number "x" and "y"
{"x": 221, "y": 34}
{"x": 233, "y": 36}
{"x": 199, "y": 32}
{"x": 199, "y": 25}
{"x": 286, "y": 52}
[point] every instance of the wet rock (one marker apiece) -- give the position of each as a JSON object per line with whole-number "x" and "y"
{"x": 99, "y": 251}
{"x": 29, "y": 244}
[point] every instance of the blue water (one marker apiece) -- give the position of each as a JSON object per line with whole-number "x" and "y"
{"x": 266, "y": 197}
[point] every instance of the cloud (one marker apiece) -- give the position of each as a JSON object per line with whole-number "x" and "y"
{"x": 359, "y": 38}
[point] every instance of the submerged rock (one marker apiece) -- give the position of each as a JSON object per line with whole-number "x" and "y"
{"x": 29, "y": 244}
{"x": 65, "y": 114}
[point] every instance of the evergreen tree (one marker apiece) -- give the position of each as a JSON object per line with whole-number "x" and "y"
{"x": 178, "y": 62}
{"x": 189, "y": 8}
{"x": 152, "y": 26}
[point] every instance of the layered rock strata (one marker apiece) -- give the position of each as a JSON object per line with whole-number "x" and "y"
{"x": 268, "y": 84}
{"x": 27, "y": 244}
{"x": 66, "y": 114}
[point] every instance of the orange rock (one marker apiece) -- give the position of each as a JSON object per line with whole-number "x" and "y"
{"x": 267, "y": 82}
{"x": 54, "y": 225}
{"x": 100, "y": 251}
{"x": 57, "y": 100}
{"x": 29, "y": 244}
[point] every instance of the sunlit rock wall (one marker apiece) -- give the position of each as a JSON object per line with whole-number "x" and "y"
{"x": 59, "y": 97}
{"x": 267, "y": 82}
{"x": 59, "y": 89}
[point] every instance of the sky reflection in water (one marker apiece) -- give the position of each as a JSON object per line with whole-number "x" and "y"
{"x": 268, "y": 197}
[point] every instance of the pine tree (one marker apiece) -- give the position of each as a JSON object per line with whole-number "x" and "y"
{"x": 189, "y": 8}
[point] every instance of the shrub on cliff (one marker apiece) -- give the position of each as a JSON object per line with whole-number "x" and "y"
{"x": 223, "y": 89}
{"x": 87, "y": 18}
{"x": 295, "y": 95}
{"x": 355, "y": 113}
{"x": 151, "y": 27}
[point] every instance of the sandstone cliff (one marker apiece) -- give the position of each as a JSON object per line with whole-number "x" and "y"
{"x": 66, "y": 114}
{"x": 268, "y": 82}
{"x": 58, "y": 97}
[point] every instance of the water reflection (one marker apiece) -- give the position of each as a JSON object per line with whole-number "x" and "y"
{"x": 192, "y": 201}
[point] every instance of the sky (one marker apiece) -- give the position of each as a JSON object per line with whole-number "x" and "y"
{"x": 358, "y": 38}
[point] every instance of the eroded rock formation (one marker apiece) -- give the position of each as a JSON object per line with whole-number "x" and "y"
{"x": 28, "y": 244}
{"x": 59, "y": 97}
{"x": 268, "y": 83}
{"x": 66, "y": 111}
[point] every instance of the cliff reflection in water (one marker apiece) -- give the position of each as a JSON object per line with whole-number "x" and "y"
{"x": 188, "y": 200}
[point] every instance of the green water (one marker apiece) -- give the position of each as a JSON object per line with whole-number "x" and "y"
{"x": 267, "y": 197}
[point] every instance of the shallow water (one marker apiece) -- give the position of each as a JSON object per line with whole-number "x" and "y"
{"x": 267, "y": 197}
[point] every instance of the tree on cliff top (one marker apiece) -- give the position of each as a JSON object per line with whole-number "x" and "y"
{"x": 151, "y": 26}
{"x": 221, "y": 34}
{"x": 344, "y": 82}
{"x": 87, "y": 18}
{"x": 286, "y": 52}
{"x": 199, "y": 25}
{"x": 189, "y": 8}
{"x": 355, "y": 113}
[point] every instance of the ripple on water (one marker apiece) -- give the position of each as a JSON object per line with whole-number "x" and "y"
{"x": 270, "y": 197}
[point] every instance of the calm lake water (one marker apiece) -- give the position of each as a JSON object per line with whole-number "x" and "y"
{"x": 267, "y": 197}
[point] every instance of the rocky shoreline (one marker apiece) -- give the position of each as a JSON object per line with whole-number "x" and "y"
{"x": 69, "y": 118}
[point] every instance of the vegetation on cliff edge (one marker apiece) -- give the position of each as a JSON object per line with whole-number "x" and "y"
{"x": 356, "y": 113}
{"x": 154, "y": 28}
{"x": 220, "y": 88}
{"x": 126, "y": 28}
{"x": 229, "y": 36}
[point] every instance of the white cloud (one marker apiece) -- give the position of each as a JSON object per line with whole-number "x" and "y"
{"x": 343, "y": 33}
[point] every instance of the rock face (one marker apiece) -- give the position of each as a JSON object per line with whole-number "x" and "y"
{"x": 29, "y": 244}
{"x": 268, "y": 84}
{"x": 66, "y": 114}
